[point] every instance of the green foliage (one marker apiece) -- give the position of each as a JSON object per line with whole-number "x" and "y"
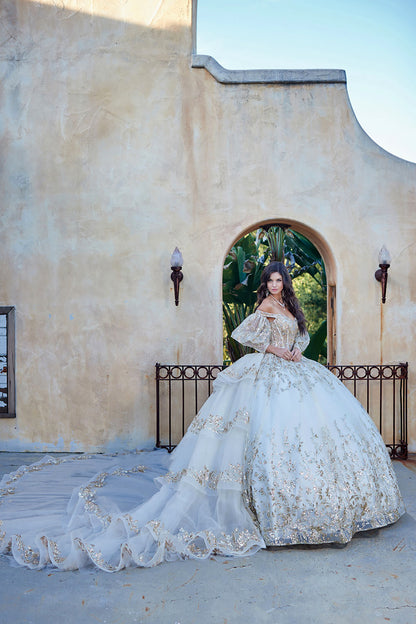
{"x": 242, "y": 272}
{"x": 241, "y": 278}
{"x": 274, "y": 238}
{"x": 312, "y": 300}
{"x": 305, "y": 258}
{"x": 316, "y": 349}
{"x": 234, "y": 315}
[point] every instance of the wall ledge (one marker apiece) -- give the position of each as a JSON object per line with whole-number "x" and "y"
{"x": 267, "y": 76}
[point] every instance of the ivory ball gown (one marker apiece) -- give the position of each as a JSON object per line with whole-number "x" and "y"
{"x": 280, "y": 453}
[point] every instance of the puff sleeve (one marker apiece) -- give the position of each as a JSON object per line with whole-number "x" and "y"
{"x": 254, "y": 332}
{"x": 301, "y": 341}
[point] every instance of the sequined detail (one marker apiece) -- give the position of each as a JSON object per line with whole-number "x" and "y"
{"x": 218, "y": 424}
{"x": 132, "y": 524}
{"x": 315, "y": 490}
{"x": 259, "y": 330}
{"x": 209, "y": 478}
{"x": 56, "y": 554}
{"x": 201, "y": 543}
{"x": 277, "y": 375}
{"x": 254, "y": 332}
{"x": 88, "y": 493}
{"x": 26, "y": 554}
{"x": 95, "y": 555}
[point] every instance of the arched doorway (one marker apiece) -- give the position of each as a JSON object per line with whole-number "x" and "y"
{"x": 324, "y": 253}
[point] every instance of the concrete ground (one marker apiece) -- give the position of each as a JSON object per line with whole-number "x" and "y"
{"x": 372, "y": 579}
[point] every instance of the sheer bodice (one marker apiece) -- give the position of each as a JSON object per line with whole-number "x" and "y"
{"x": 261, "y": 329}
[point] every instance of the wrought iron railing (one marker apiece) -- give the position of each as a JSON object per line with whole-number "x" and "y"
{"x": 382, "y": 391}
{"x": 381, "y": 388}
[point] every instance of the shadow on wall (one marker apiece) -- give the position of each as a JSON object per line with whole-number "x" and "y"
{"x": 82, "y": 95}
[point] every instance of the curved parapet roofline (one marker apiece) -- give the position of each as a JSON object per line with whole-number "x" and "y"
{"x": 283, "y": 77}
{"x": 382, "y": 149}
{"x": 267, "y": 76}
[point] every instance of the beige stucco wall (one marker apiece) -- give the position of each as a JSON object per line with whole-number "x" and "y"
{"x": 114, "y": 151}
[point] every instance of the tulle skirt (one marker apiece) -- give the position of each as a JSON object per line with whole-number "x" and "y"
{"x": 280, "y": 453}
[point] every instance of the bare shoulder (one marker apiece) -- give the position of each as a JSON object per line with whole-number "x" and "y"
{"x": 266, "y": 306}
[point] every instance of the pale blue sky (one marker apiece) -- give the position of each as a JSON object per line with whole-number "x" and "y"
{"x": 373, "y": 40}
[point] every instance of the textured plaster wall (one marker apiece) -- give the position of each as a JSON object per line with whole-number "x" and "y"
{"x": 114, "y": 151}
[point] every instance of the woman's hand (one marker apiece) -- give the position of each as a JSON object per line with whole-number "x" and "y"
{"x": 281, "y": 352}
{"x": 285, "y": 354}
{"x": 296, "y": 355}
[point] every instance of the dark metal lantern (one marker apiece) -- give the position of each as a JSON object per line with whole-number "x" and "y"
{"x": 382, "y": 273}
{"x": 176, "y": 263}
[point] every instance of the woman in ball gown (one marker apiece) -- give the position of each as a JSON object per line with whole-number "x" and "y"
{"x": 280, "y": 453}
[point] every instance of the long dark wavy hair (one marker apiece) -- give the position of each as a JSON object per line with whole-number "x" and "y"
{"x": 288, "y": 294}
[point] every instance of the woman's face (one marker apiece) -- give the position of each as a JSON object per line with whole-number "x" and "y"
{"x": 275, "y": 284}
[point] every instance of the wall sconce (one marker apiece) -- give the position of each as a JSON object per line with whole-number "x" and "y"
{"x": 381, "y": 273}
{"x": 176, "y": 263}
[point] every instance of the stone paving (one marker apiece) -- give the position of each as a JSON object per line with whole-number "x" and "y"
{"x": 372, "y": 579}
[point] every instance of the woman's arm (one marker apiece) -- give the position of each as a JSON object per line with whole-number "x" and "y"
{"x": 282, "y": 352}
{"x": 299, "y": 345}
{"x": 301, "y": 341}
{"x": 254, "y": 332}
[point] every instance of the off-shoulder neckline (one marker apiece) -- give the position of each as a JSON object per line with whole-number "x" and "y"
{"x": 278, "y": 314}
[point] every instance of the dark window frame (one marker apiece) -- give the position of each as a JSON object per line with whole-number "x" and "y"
{"x": 9, "y": 312}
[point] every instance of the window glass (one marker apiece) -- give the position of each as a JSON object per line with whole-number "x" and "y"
{"x": 3, "y": 362}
